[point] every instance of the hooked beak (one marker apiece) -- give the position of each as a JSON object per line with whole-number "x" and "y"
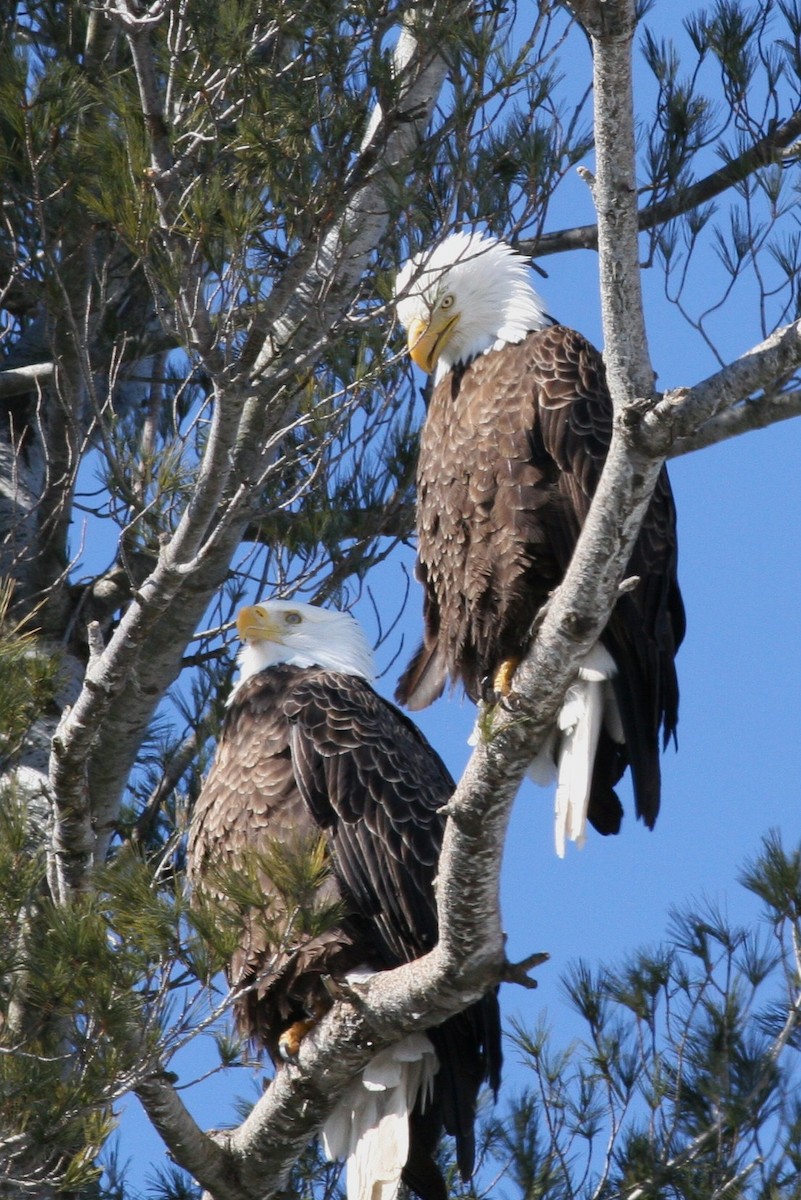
{"x": 427, "y": 339}
{"x": 254, "y": 625}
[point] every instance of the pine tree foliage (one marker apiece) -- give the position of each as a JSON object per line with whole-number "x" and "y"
{"x": 28, "y": 677}
{"x": 203, "y": 400}
{"x": 683, "y": 1079}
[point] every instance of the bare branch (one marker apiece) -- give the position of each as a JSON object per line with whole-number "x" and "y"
{"x": 313, "y": 302}
{"x": 628, "y": 365}
{"x": 751, "y": 415}
{"x": 194, "y": 310}
{"x": 769, "y": 149}
{"x": 688, "y": 418}
{"x": 191, "y": 1147}
{"x": 16, "y": 381}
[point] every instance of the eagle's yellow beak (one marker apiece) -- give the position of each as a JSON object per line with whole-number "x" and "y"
{"x": 427, "y": 339}
{"x": 254, "y": 624}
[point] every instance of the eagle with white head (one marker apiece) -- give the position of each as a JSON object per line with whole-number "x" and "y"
{"x": 311, "y": 759}
{"x": 517, "y": 431}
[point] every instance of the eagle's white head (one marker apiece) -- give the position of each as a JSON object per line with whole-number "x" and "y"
{"x": 469, "y": 295}
{"x": 303, "y": 635}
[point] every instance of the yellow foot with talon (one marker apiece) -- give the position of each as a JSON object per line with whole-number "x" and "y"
{"x": 502, "y": 680}
{"x": 290, "y": 1039}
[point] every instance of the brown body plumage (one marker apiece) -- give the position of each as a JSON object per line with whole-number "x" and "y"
{"x": 510, "y": 456}
{"x": 307, "y": 753}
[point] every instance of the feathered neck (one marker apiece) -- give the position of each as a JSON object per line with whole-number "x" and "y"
{"x": 345, "y": 660}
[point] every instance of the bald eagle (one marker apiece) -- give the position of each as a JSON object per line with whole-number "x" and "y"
{"x": 312, "y": 758}
{"x": 517, "y": 430}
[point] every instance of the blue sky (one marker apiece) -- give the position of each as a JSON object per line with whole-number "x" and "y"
{"x": 736, "y": 773}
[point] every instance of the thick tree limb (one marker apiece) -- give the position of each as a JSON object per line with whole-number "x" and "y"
{"x": 744, "y": 417}
{"x": 628, "y": 366}
{"x": 193, "y": 1149}
{"x": 719, "y": 407}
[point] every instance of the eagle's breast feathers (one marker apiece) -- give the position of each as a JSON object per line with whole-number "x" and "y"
{"x": 510, "y": 455}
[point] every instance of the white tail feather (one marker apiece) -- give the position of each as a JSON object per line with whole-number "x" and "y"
{"x": 370, "y": 1125}
{"x": 587, "y": 705}
{"x": 580, "y": 721}
{"x": 567, "y": 753}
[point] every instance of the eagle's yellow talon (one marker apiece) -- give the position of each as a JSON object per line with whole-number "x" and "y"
{"x": 502, "y": 680}
{"x": 290, "y": 1039}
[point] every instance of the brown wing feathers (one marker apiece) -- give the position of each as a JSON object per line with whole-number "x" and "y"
{"x": 368, "y": 777}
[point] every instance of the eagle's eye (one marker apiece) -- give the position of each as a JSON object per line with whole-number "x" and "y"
{"x": 446, "y": 301}
{"x": 292, "y": 618}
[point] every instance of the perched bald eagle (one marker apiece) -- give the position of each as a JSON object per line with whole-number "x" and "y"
{"x": 517, "y": 431}
{"x": 312, "y": 759}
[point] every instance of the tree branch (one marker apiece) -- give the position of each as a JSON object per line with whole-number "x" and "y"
{"x": 745, "y": 417}
{"x": 313, "y": 303}
{"x": 719, "y": 407}
{"x": 195, "y": 1150}
{"x": 17, "y": 381}
{"x": 766, "y": 150}
{"x": 628, "y": 366}
{"x": 191, "y": 298}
